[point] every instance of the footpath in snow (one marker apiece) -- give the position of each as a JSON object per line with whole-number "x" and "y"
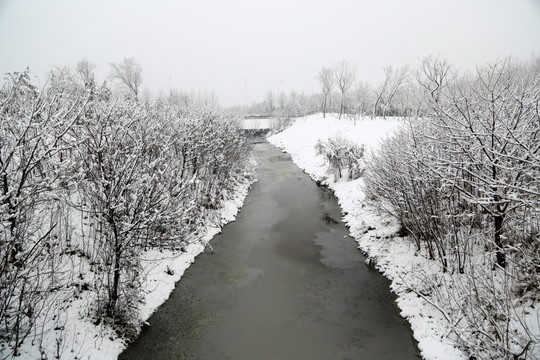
{"x": 375, "y": 233}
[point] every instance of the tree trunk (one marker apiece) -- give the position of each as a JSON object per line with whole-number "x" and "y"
{"x": 113, "y": 295}
{"x": 341, "y": 105}
{"x": 500, "y": 256}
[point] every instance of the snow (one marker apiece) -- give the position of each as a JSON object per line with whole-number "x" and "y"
{"x": 80, "y": 339}
{"x": 393, "y": 256}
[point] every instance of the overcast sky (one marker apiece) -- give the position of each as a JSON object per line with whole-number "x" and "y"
{"x": 219, "y": 44}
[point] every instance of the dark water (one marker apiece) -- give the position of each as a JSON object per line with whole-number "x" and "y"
{"x": 286, "y": 282}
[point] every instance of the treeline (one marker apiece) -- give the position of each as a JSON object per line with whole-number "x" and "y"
{"x": 281, "y": 104}
{"x": 463, "y": 179}
{"x": 342, "y": 92}
{"x": 87, "y": 183}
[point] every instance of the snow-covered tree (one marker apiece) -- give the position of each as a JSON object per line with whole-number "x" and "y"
{"x": 491, "y": 135}
{"x": 270, "y": 102}
{"x": 345, "y": 74}
{"x": 33, "y": 141}
{"x": 385, "y": 93}
{"x": 128, "y": 73}
{"x": 463, "y": 181}
{"x": 327, "y": 81}
{"x": 86, "y": 69}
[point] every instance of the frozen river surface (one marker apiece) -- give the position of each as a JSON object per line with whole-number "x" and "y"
{"x": 285, "y": 282}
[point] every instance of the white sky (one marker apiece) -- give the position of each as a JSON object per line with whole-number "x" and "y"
{"x": 209, "y": 44}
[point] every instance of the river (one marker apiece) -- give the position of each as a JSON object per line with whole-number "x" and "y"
{"x": 285, "y": 282}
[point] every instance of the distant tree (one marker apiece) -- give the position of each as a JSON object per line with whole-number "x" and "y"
{"x": 345, "y": 74}
{"x": 435, "y": 75}
{"x": 147, "y": 97}
{"x": 293, "y": 105}
{"x": 129, "y": 73}
{"x": 380, "y": 92}
{"x": 303, "y": 104}
{"x": 282, "y": 100}
{"x": 326, "y": 80}
{"x": 181, "y": 98}
{"x": 393, "y": 83}
{"x": 85, "y": 69}
{"x": 207, "y": 98}
{"x": 270, "y": 101}
{"x": 534, "y": 66}
{"x": 64, "y": 77}
{"x": 362, "y": 98}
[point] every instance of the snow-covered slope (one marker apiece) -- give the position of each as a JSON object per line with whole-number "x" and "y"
{"x": 79, "y": 338}
{"x": 394, "y": 256}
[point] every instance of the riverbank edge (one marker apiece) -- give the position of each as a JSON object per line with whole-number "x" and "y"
{"x": 165, "y": 270}
{"x": 377, "y": 237}
{"x": 81, "y": 339}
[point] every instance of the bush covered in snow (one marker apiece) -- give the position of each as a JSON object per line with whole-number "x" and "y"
{"x": 342, "y": 154}
{"x": 464, "y": 181}
{"x": 87, "y": 183}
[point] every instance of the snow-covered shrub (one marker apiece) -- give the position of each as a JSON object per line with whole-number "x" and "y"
{"x": 281, "y": 123}
{"x": 342, "y": 154}
{"x": 399, "y": 179}
{"x": 211, "y": 153}
{"x": 116, "y": 182}
{"x": 33, "y": 141}
{"x": 149, "y": 177}
{"x": 484, "y": 315}
{"x": 86, "y": 185}
{"x": 464, "y": 181}
{"x": 526, "y": 256}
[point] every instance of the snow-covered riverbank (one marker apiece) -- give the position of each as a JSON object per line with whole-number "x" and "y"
{"x": 395, "y": 257}
{"x": 78, "y": 338}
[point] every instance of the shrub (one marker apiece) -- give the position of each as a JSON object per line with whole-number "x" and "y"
{"x": 342, "y": 154}
{"x": 464, "y": 182}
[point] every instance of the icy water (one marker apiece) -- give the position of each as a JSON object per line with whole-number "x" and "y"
{"x": 285, "y": 282}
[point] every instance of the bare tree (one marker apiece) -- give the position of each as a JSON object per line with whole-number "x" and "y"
{"x": 493, "y": 115}
{"x": 435, "y": 75}
{"x": 380, "y": 93}
{"x": 535, "y": 65}
{"x": 147, "y": 97}
{"x": 393, "y": 83}
{"x": 345, "y": 74}
{"x": 270, "y": 101}
{"x": 326, "y": 80}
{"x": 181, "y": 98}
{"x": 362, "y": 98}
{"x": 85, "y": 69}
{"x": 129, "y": 73}
{"x": 282, "y": 100}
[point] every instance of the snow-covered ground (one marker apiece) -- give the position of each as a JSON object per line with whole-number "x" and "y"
{"x": 73, "y": 336}
{"x": 394, "y": 256}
